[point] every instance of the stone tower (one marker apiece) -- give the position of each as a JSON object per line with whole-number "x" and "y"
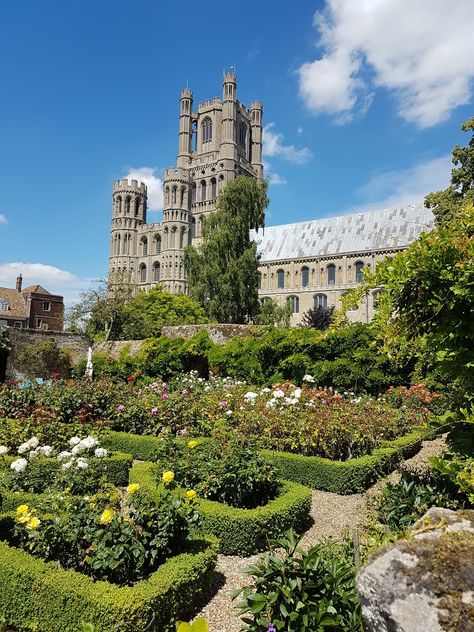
{"x": 218, "y": 141}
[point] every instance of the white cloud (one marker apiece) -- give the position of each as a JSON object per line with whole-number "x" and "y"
{"x": 422, "y": 52}
{"x": 3, "y": 219}
{"x": 154, "y": 185}
{"x": 272, "y": 176}
{"x": 392, "y": 189}
{"x": 53, "y": 279}
{"x": 273, "y": 146}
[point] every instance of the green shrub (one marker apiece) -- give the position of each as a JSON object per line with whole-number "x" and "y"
{"x": 42, "y": 358}
{"x": 305, "y": 591}
{"x": 243, "y": 531}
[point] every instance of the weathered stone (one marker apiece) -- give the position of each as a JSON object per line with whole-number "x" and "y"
{"x": 425, "y": 582}
{"x": 218, "y": 333}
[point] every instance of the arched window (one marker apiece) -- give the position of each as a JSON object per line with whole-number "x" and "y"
{"x": 320, "y": 300}
{"x": 183, "y": 192}
{"x": 305, "y": 277}
{"x": 165, "y": 239}
{"x": 203, "y": 191}
{"x": 144, "y": 245}
{"x": 331, "y": 274}
{"x": 173, "y": 195}
{"x": 127, "y": 205}
{"x": 193, "y": 194}
{"x": 193, "y": 227}
{"x": 242, "y": 134}
{"x": 359, "y": 266}
{"x": 157, "y": 244}
{"x": 119, "y": 204}
{"x": 119, "y": 241}
{"x": 137, "y": 206}
{"x": 167, "y": 196}
{"x": 174, "y": 233}
{"x": 294, "y": 301}
{"x": 206, "y": 130}
{"x": 181, "y": 237}
{"x": 4, "y": 306}
{"x": 280, "y": 279}
{"x": 142, "y": 272}
{"x": 213, "y": 189}
{"x": 156, "y": 272}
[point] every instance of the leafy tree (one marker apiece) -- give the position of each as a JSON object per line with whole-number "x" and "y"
{"x": 4, "y": 339}
{"x": 318, "y": 317}
{"x": 43, "y": 358}
{"x": 223, "y": 273}
{"x": 273, "y": 314}
{"x": 446, "y": 204}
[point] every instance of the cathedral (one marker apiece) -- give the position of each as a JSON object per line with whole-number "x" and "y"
{"x": 306, "y": 263}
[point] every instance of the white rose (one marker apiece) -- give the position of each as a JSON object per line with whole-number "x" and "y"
{"x": 64, "y": 455}
{"x": 19, "y": 465}
{"x": 45, "y": 450}
{"x": 24, "y": 447}
{"x": 67, "y": 465}
{"x": 33, "y": 443}
{"x": 266, "y": 390}
{"x": 100, "y": 453}
{"x": 308, "y": 378}
{"x": 228, "y": 412}
{"x": 297, "y": 393}
{"x": 77, "y": 449}
{"x": 82, "y": 463}
{"x": 74, "y": 440}
{"x": 89, "y": 442}
{"x": 3, "y": 450}
{"x": 250, "y": 396}
{"x": 278, "y": 393}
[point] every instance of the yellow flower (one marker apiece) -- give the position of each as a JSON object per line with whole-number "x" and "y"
{"x": 192, "y": 444}
{"x": 67, "y": 490}
{"x": 191, "y": 494}
{"x": 22, "y": 509}
{"x": 168, "y": 477}
{"x": 107, "y": 515}
{"x": 33, "y": 523}
{"x": 134, "y": 487}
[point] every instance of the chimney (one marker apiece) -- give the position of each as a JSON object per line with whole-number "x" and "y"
{"x": 19, "y": 281}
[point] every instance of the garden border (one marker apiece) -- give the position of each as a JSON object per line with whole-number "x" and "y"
{"x": 243, "y": 531}
{"x": 38, "y": 595}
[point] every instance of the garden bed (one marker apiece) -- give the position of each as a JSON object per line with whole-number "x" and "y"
{"x": 35, "y": 595}
{"x": 243, "y": 531}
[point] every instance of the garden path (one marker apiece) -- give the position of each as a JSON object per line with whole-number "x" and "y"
{"x": 333, "y": 515}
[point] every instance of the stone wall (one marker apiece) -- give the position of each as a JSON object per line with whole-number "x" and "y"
{"x": 114, "y": 348}
{"x": 76, "y": 345}
{"x": 219, "y": 334}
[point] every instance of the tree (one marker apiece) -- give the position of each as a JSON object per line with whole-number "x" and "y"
{"x": 318, "y": 317}
{"x": 223, "y": 273}
{"x": 271, "y": 313}
{"x": 43, "y": 358}
{"x": 446, "y": 204}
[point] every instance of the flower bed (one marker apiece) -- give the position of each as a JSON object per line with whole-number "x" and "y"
{"x": 242, "y": 531}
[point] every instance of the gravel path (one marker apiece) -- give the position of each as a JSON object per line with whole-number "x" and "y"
{"x": 333, "y": 515}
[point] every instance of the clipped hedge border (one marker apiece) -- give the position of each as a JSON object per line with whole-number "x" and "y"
{"x": 37, "y": 595}
{"x": 142, "y": 447}
{"x": 346, "y": 477}
{"x": 243, "y": 531}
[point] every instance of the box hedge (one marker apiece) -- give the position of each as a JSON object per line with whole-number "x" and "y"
{"x": 345, "y": 477}
{"x": 36, "y": 595}
{"x": 142, "y": 447}
{"x": 243, "y": 531}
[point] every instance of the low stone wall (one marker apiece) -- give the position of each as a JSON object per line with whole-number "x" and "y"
{"x": 76, "y": 345}
{"x": 114, "y": 348}
{"x": 219, "y": 334}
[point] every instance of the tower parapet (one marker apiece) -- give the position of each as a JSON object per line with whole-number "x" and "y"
{"x": 185, "y": 127}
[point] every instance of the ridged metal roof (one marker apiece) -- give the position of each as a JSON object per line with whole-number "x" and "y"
{"x": 359, "y": 232}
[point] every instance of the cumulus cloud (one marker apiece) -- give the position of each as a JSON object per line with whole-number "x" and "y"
{"x": 53, "y": 279}
{"x": 402, "y": 187}
{"x": 273, "y": 146}
{"x": 271, "y": 175}
{"x": 421, "y": 52}
{"x": 153, "y": 183}
{"x": 3, "y": 219}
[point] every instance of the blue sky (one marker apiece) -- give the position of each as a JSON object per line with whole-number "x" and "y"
{"x": 362, "y": 106}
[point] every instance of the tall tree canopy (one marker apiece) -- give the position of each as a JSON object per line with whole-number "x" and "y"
{"x": 223, "y": 272}
{"x": 445, "y": 204}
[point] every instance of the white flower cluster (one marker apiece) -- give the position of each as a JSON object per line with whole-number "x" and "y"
{"x": 279, "y": 399}
{"x": 250, "y": 397}
{"x": 308, "y": 378}
{"x": 32, "y": 450}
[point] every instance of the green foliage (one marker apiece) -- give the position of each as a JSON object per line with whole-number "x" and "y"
{"x": 271, "y": 313}
{"x": 39, "y": 595}
{"x": 226, "y": 469}
{"x": 318, "y": 317}
{"x": 199, "y": 625}
{"x": 119, "y": 541}
{"x": 4, "y": 339}
{"x": 447, "y": 203}
{"x": 223, "y": 273}
{"x": 241, "y": 531}
{"x": 42, "y": 358}
{"x": 306, "y": 590}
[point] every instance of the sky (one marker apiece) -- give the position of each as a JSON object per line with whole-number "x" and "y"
{"x": 363, "y": 103}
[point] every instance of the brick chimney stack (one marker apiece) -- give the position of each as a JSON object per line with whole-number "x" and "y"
{"x": 19, "y": 281}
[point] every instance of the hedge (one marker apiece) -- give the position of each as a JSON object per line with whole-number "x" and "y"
{"x": 37, "y": 595}
{"x": 114, "y": 467}
{"x": 346, "y": 477}
{"x": 243, "y": 531}
{"x": 142, "y": 447}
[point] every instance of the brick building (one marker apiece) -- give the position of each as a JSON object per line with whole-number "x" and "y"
{"x": 31, "y": 308}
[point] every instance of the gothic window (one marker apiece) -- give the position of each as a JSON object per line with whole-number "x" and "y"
{"x": 167, "y": 196}
{"x": 181, "y": 237}
{"x": 157, "y": 244}
{"x": 206, "y": 130}
{"x": 213, "y": 189}
{"x": 174, "y": 234}
{"x": 193, "y": 227}
{"x": 294, "y": 301}
{"x": 173, "y": 195}
{"x": 331, "y": 269}
{"x": 144, "y": 244}
{"x": 194, "y": 136}
{"x": 4, "y": 306}
{"x": 119, "y": 241}
{"x": 183, "y": 191}
{"x": 320, "y": 300}
{"x": 142, "y": 272}
{"x": 137, "y": 206}
{"x": 280, "y": 279}
{"x": 359, "y": 266}
{"x": 242, "y": 134}
{"x": 193, "y": 194}
{"x": 305, "y": 277}
{"x": 127, "y": 205}
{"x": 165, "y": 239}
{"x": 119, "y": 204}
{"x": 203, "y": 191}
{"x": 156, "y": 272}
